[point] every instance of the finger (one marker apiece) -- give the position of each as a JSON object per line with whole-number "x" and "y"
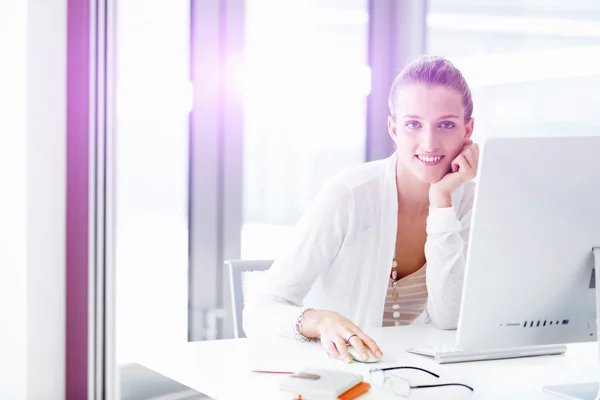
{"x": 342, "y": 348}
{"x": 468, "y": 142}
{"x": 471, "y": 160}
{"x": 331, "y": 349}
{"x": 475, "y": 150}
{"x": 370, "y": 343}
{"x": 464, "y": 169}
{"x": 454, "y": 165}
{"x": 358, "y": 344}
{"x": 462, "y": 164}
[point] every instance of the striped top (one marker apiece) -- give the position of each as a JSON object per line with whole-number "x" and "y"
{"x": 410, "y": 299}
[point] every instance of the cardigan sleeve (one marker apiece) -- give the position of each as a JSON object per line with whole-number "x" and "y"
{"x": 445, "y": 251}
{"x": 318, "y": 236}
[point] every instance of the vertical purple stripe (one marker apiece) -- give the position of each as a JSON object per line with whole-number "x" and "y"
{"x": 78, "y": 47}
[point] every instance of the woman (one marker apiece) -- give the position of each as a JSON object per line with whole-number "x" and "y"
{"x": 385, "y": 243}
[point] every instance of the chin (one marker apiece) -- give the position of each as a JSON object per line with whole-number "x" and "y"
{"x": 430, "y": 177}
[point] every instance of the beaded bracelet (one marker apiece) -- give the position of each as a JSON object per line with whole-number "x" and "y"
{"x": 298, "y": 328}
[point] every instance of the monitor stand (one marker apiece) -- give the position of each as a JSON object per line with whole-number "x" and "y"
{"x": 582, "y": 391}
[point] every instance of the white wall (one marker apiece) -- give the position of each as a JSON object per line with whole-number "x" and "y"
{"x": 46, "y": 199}
{"x": 13, "y": 198}
{"x": 32, "y": 192}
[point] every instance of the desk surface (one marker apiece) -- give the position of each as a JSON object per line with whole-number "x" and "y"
{"x": 221, "y": 369}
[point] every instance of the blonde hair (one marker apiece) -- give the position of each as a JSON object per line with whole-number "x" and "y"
{"x": 432, "y": 71}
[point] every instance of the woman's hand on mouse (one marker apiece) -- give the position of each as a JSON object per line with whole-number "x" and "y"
{"x": 334, "y": 330}
{"x": 464, "y": 168}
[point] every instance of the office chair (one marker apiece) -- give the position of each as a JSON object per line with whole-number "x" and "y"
{"x": 243, "y": 274}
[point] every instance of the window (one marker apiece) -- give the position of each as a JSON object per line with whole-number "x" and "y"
{"x": 532, "y": 65}
{"x": 153, "y": 98}
{"x": 305, "y": 83}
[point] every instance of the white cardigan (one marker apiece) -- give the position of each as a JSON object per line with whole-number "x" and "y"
{"x": 342, "y": 255}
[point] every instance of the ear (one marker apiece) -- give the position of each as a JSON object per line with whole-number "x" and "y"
{"x": 469, "y": 128}
{"x": 391, "y": 123}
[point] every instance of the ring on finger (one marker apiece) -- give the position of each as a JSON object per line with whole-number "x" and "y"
{"x": 350, "y": 337}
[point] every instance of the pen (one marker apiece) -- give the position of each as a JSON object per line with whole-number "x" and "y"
{"x": 272, "y": 372}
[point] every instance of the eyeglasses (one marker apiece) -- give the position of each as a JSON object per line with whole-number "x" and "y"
{"x": 401, "y": 386}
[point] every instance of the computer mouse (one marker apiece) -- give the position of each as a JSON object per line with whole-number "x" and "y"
{"x": 357, "y": 357}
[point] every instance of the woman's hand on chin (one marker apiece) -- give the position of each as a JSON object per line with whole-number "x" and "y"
{"x": 464, "y": 168}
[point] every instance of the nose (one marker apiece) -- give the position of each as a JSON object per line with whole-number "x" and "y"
{"x": 429, "y": 140}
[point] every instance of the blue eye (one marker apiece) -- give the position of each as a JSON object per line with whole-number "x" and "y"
{"x": 413, "y": 124}
{"x": 447, "y": 125}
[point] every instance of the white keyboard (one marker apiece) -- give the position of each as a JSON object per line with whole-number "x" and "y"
{"x": 432, "y": 351}
{"x": 453, "y": 354}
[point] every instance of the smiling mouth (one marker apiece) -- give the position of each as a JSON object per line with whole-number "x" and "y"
{"x": 429, "y": 160}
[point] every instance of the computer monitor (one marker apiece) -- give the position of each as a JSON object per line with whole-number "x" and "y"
{"x": 530, "y": 272}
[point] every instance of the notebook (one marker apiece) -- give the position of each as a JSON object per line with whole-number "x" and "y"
{"x": 317, "y": 384}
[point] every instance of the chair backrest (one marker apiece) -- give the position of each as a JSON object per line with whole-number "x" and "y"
{"x": 244, "y": 276}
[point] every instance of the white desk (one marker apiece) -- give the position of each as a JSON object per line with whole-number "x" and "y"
{"x": 220, "y": 369}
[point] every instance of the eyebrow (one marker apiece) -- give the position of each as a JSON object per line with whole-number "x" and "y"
{"x": 448, "y": 116}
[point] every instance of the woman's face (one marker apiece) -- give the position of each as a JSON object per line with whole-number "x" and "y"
{"x": 429, "y": 130}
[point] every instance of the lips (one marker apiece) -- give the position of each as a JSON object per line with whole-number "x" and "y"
{"x": 428, "y": 159}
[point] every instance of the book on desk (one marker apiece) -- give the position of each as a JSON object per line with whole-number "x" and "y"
{"x": 321, "y": 384}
